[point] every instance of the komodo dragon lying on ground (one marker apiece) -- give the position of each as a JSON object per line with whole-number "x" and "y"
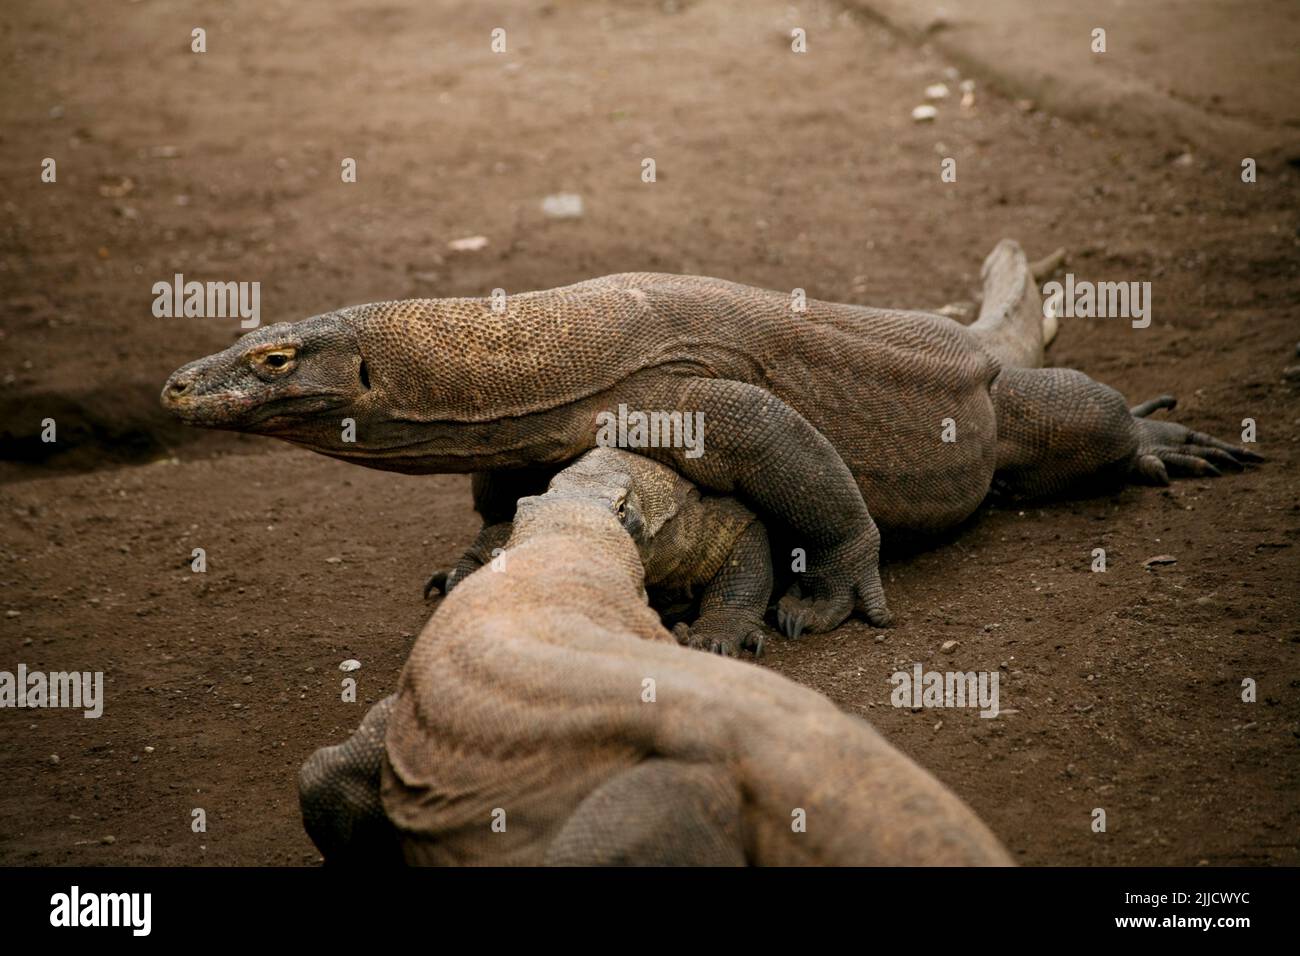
{"x": 830, "y": 421}
{"x": 546, "y": 717}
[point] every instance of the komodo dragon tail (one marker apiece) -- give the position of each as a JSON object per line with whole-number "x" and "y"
{"x": 1011, "y": 324}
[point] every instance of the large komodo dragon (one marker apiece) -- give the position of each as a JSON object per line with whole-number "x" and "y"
{"x": 545, "y": 716}
{"x": 830, "y": 421}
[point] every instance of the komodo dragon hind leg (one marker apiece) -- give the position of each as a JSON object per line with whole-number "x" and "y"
{"x": 338, "y": 791}
{"x": 1058, "y": 429}
{"x": 659, "y": 813}
{"x": 1011, "y": 325}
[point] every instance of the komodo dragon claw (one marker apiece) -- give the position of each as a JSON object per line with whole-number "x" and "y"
{"x": 488, "y": 543}
{"x": 1169, "y": 446}
{"x": 727, "y": 641}
{"x": 822, "y": 602}
{"x": 792, "y": 622}
{"x": 444, "y": 581}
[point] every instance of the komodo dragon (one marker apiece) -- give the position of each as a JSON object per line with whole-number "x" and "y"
{"x": 705, "y": 551}
{"x": 545, "y": 716}
{"x": 830, "y": 421}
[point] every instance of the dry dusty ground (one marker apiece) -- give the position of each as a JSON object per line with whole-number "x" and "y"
{"x": 775, "y": 169}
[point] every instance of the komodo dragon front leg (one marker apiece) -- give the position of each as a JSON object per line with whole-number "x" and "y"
{"x": 733, "y": 602}
{"x": 751, "y": 435}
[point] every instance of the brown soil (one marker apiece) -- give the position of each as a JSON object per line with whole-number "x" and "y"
{"x": 774, "y": 169}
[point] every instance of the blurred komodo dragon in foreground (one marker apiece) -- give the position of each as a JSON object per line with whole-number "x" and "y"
{"x": 830, "y": 422}
{"x": 545, "y": 716}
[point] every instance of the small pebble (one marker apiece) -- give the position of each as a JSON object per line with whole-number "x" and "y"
{"x": 924, "y": 114}
{"x": 350, "y": 665}
{"x": 563, "y": 206}
{"x": 468, "y": 244}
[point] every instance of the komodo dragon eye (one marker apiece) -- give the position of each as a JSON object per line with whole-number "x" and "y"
{"x": 274, "y": 361}
{"x": 628, "y": 511}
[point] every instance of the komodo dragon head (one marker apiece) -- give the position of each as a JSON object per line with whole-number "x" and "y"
{"x": 273, "y": 379}
{"x": 642, "y": 494}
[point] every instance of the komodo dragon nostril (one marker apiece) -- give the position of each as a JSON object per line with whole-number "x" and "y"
{"x": 178, "y": 387}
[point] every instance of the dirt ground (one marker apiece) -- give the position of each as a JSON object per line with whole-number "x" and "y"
{"x": 1120, "y": 690}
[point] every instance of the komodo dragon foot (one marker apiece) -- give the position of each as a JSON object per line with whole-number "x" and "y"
{"x": 828, "y": 596}
{"x": 1169, "y": 446}
{"x": 725, "y": 637}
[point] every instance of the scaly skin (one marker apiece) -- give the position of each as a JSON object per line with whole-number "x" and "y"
{"x": 811, "y": 417}
{"x": 705, "y": 550}
{"x": 525, "y": 702}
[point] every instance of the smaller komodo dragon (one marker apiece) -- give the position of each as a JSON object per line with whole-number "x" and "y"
{"x": 548, "y": 699}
